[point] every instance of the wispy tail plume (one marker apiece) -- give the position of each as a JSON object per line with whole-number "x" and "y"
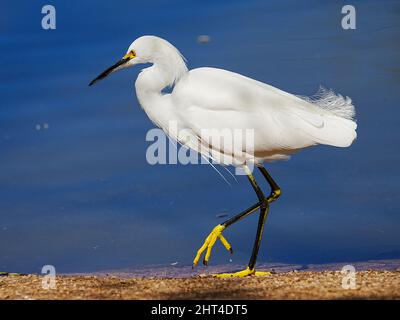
{"x": 333, "y": 102}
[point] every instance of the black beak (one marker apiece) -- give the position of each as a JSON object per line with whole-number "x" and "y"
{"x": 109, "y": 70}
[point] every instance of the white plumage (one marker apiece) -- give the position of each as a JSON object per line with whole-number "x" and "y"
{"x": 209, "y": 103}
{"x": 211, "y": 98}
{"x": 283, "y": 123}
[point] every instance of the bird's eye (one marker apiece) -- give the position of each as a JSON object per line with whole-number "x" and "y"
{"x": 133, "y": 53}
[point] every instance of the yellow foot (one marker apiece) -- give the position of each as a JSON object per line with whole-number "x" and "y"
{"x": 215, "y": 234}
{"x": 244, "y": 273}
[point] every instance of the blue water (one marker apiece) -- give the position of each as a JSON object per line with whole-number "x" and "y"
{"x": 76, "y": 191}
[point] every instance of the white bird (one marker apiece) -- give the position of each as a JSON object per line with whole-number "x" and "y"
{"x": 208, "y": 100}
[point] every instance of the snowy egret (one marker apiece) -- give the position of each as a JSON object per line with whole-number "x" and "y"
{"x": 213, "y": 98}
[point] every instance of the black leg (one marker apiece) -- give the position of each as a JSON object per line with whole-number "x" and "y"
{"x": 257, "y": 242}
{"x": 275, "y": 190}
{"x": 274, "y": 195}
{"x": 241, "y": 215}
{"x": 264, "y": 208}
{"x": 263, "y": 205}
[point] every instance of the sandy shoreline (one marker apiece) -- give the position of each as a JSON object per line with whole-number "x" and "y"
{"x": 381, "y": 283}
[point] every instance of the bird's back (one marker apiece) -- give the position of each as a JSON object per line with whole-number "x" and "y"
{"x": 282, "y": 122}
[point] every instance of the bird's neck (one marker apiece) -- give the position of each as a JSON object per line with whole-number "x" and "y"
{"x": 152, "y": 80}
{"x": 149, "y": 85}
{"x": 168, "y": 67}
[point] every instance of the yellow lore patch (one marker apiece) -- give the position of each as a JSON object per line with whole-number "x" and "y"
{"x": 130, "y": 55}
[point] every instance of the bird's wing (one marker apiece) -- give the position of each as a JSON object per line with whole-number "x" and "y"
{"x": 218, "y": 99}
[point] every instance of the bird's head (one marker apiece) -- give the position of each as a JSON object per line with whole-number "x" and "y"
{"x": 147, "y": 49}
